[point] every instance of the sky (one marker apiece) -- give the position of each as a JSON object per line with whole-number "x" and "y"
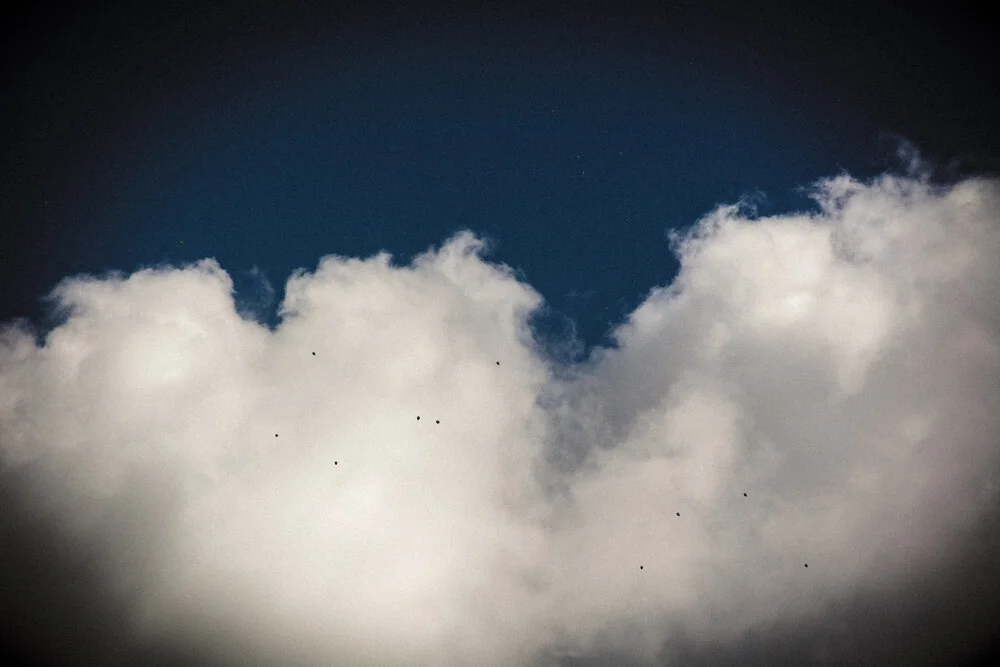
{"x": 654, "y": 334}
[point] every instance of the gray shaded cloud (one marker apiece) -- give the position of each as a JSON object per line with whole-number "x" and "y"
{"x": 238, "y": 498}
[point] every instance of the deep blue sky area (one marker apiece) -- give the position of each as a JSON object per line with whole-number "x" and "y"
{"x": 574, "y": 174}
{"x": 268, "y": 136}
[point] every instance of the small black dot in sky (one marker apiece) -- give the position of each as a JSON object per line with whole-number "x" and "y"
{"x": 437, "y": 421}
{"x": 418, "y": 417}
{"x": 314, "y": 354}
{"x": 275, "y": 435}
{"x": 334, "y": 463}
{"x": 744, "y": 495}
{"x": 640, "y": 567}
{"x": 678, "y": 514}
{"x": 498, "y": 363}
{"x": 807, "y": 564}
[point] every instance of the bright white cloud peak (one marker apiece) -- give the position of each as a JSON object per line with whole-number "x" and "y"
{"x": 268, "y": 503}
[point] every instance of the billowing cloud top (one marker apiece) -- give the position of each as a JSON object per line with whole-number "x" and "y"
{"x": 814, "y": 389}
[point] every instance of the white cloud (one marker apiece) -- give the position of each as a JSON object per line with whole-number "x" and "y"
{"x": 840, "y": 368}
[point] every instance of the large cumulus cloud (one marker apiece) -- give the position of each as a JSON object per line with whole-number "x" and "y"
{"x": 818, "y": 388}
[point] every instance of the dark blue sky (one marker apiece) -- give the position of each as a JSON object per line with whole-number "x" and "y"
{"x": 575, "y": 172}
{"x": 267, "y": 137}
